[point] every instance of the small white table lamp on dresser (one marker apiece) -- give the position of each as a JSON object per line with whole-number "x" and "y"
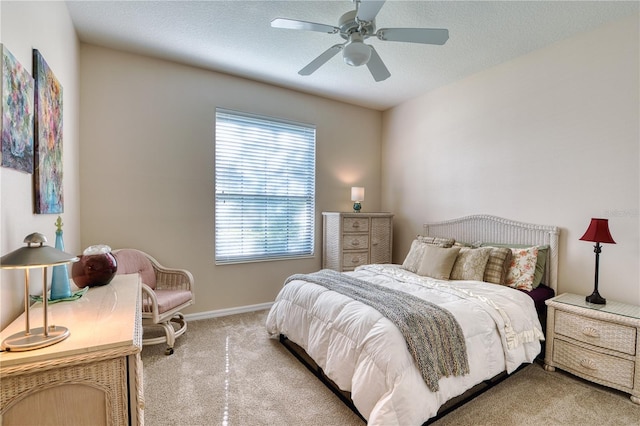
{"x": 357, "y": 196}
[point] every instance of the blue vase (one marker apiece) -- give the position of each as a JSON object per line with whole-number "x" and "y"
{"x": 60, "y": 285}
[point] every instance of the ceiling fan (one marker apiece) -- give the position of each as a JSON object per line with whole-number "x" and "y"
{"x": 355, "y": 27}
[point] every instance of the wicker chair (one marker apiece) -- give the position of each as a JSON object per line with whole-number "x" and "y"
{"x": 165, "y": 292}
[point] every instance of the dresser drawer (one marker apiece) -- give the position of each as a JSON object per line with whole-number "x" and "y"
{"x": 594, "y": 364}
{"x": 352, "y": 259}
{"x": 355, "y": 224}
{"x": 607, "y": 335}
{"x": 355, "y": 241}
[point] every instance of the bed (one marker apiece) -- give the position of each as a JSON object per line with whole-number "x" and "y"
{"x": 373, "y": 363}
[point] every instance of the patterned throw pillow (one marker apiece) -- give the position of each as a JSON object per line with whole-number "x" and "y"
{"x": 470, "y": 264}
{"x": 540, "y": 264}
{"x": 498, "y": 265}
{"x": 416, "y": 252}
{"x": 436, "y": 241}
{"x": 523, "y": 268}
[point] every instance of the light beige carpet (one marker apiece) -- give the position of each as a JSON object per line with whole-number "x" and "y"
{"x": 226, "y": 371}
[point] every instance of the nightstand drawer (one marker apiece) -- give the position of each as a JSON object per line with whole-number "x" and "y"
{"x": 587, "y": 362}
{"x": 595, "y": 332}
{"x": 352, "y": 259}
{"x": 355, "y": 241}
{"x": 355, "y": 224}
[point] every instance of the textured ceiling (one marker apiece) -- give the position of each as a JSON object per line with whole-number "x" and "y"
{"x": 235, "y": 37}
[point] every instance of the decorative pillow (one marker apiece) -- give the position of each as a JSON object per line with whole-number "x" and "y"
{"x": 414, "y": 256}
{"x": 462, "y": 244}
{"x": 412, "y": 261}
{"x": 498, "y": 265}
{"x": 437, "y": 262}
{"x": 470, "y": 264}
{"x": 436, "y": 241}
{"x": 540, "y": 263}
{"x": 523, "y": 268}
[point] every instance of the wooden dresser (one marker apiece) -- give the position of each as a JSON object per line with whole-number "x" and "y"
{"x": 600, "y": 343}
{"x": 94, "y": 376}
{"x": 354, "y": 239}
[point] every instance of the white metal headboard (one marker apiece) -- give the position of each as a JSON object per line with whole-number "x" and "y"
{"x": 486, "y": 228}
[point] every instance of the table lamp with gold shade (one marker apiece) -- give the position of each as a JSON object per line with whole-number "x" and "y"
{"x": 35, "y": 255}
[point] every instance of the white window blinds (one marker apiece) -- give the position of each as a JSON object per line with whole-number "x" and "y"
{"x": 265, "y": 188}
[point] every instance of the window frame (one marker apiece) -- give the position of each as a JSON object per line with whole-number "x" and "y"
{"x": 300, "y": 176}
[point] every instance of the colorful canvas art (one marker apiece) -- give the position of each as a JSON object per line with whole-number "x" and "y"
{"x": 17, "y": 114}
{"x": 48, "y": 136}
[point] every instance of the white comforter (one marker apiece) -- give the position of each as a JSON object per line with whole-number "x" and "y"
{"x": 365, "y": 354}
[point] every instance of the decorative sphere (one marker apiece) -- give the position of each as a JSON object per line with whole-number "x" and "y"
{"x": 97, "y": 267}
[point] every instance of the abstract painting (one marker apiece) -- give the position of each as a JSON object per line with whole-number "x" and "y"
{"x": 17, "y": 114}
{"x": 48, "y": 136}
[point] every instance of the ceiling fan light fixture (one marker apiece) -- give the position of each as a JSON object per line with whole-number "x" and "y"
{"x": 356, "y": 53}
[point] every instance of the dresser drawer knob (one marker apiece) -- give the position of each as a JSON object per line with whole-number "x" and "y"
{"x": 355, "y": 243}
{"x": 591, "y": 332}
{"x": 355, "y": 260}
{"x": 589, "y": 364}
{"x": 356, "y": 224}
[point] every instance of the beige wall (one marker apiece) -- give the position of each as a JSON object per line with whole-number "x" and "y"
{"x": 551, "y": 137}
{"x": 45, "y": 26}
{"x": 147, "y": 165}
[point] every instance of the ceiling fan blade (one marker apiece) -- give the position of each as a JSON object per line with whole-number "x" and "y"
{"x": 377, "y": 68}
{"x": 294, "y": 24}
{"x": 368, "y": 9}
{"x": 321, "y": 60}
{"x": 414, "y": 35}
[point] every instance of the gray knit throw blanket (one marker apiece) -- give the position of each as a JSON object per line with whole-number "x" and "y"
{"x": 434, "y": 337}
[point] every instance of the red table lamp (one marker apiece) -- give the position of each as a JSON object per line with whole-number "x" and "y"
{"x": 598, "y": 232}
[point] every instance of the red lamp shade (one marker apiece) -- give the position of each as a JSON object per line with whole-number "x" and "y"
{"x": 598, "y": 232}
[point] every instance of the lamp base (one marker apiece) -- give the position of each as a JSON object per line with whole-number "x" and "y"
{"x": 356, "y": 207}
{"x": 596, "y": 298}
{"x": 35, "y": 339}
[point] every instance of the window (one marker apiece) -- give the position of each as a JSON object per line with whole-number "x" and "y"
{"x": 265, "y": 188}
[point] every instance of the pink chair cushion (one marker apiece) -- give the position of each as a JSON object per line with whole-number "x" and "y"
{"x": 132, "y": 262}
{"x": 169, "y": 299}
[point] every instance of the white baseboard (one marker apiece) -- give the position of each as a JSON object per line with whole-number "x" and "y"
{"x": 229, "y": 311}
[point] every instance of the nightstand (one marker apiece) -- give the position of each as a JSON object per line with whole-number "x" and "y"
{"x": 600, "y": 343}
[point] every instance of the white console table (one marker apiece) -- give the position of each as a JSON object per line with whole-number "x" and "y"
{"x": 93, "y": 377}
